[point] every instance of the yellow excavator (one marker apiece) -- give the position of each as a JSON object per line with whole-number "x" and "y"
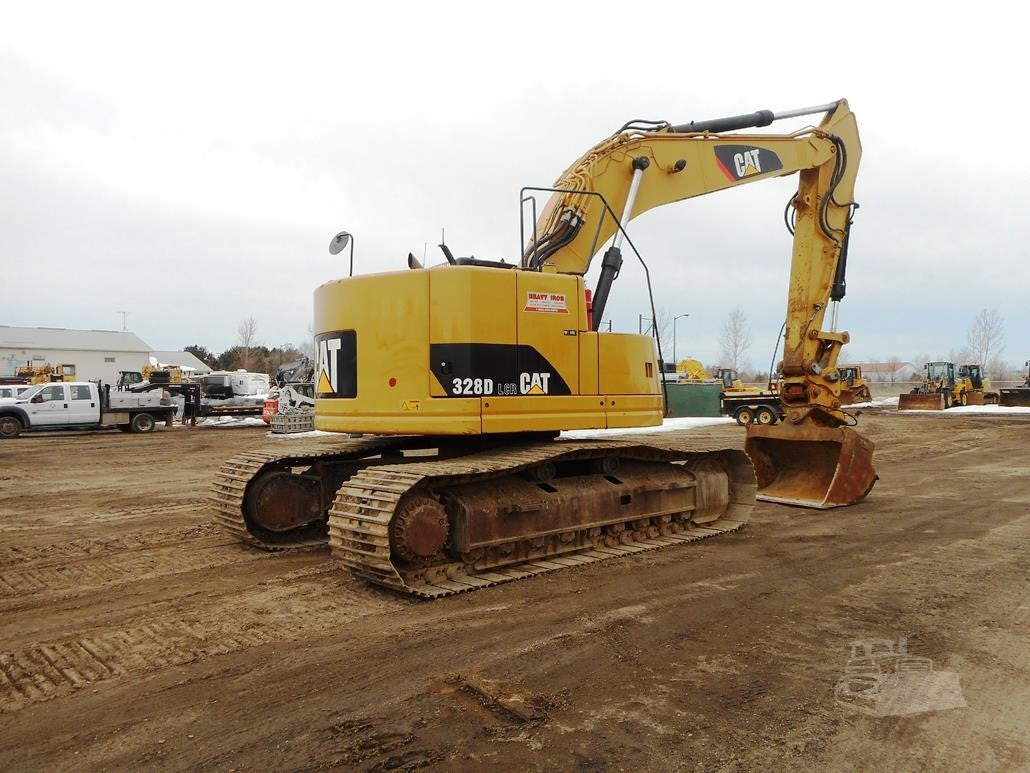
{"x": 457, "y": 380}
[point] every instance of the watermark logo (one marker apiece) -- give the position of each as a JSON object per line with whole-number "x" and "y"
{"x": 884, "y": 680}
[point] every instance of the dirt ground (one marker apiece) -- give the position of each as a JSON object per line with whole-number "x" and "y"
{"x": 134, "y": 634}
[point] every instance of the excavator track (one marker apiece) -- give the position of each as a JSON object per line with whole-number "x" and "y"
{"x": 387, "y": 523}
{"x": 230, "y": 486}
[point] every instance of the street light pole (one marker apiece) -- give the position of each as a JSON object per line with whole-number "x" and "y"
{"x": 674, "y": 335}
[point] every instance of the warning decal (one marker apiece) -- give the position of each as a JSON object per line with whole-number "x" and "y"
{"x": 551, "y": 303}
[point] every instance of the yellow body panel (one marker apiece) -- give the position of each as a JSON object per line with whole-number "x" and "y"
{"x": 542, "y": 414}
{"x": 550, "y": 313}
{"x": 457, "y": 350}
{"x": 634, "y": 410}
{"x": 588, "y": 363}
{"x": 630, "y": 365}
{"x": 459, "y": 318}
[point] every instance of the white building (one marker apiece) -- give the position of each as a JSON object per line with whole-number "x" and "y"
{"x": 96, "y": 354}
{"x": 889, "y": 371}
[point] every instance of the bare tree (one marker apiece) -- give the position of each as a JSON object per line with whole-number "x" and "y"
{"x": 998, "y": 368}
{"x": 735, "y": 339}
{"x": 247, "y": 332}
{"x": 894, "y": 363}
{"x": 307, "y": 348}
{"x": 663, "y": 326}
{"x": 985, "y": 336}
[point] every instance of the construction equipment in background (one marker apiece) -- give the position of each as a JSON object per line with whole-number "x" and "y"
{"x": 46, "y": 373}
{"x": 1017, "y": 397}
{"x": 175, "y": 374}
{"x": 746, "y": 404}
{"x": 692, "y": 371}
{"x": 485, "y": 362}
{"x": 857, "y": 390}
{"x": 973, "y": 388}
{"x": 290, "y": 405}
{"x": 941, "y": 389}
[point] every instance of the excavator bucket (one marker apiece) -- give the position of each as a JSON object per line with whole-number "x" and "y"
{"x": 811, "y": 466}
{"x": 934, "y": 401}
{"x": 1016, "y": 397}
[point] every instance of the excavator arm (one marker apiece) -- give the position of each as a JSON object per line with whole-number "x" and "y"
{"x": 640, "y": 168}
{"x": 637, "y": 170}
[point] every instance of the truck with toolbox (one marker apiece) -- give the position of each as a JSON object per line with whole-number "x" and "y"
{"x": 83, "y": 405}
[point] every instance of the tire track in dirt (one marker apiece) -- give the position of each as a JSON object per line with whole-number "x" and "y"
{"x": 35, "y": 556}
{"x": 99, "y": 517}
{"x": 293, "y": 606}
{"x": 37, "y": 587}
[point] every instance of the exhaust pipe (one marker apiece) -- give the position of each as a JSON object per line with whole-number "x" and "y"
{"x": 809, "y": 465}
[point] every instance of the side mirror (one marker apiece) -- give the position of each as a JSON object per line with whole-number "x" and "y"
{"x": 339, "y": 243}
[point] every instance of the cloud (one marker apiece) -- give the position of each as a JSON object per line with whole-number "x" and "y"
{"x": 191, "y": 165}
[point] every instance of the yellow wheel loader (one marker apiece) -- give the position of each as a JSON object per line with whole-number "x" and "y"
{"x": 941, "y": 388}
{"x": 857, "y": 390}
{"x": 692, "y": 371}
{"x": 460, "y": 377}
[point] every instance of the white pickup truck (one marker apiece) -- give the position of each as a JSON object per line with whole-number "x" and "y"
{"x": 82, "y": 405}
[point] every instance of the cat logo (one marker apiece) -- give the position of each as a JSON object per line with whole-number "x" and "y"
{"x": 328, "y": 366}
{"x": 533, "y": 383}
{"x": 747, "y": 163}
{"x": 335, "y": 364}
{"x": 739, "y": 162}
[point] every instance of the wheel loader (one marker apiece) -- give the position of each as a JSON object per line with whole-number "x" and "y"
{"x": 857, "y": 390}
{"x": 941, "y": 388}
{"x": 460, "y": 377}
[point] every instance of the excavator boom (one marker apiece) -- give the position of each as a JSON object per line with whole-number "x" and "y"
{"x": 640, "y": 168}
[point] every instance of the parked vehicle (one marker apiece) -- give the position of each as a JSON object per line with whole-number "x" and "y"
{"x": 83, "y": 405}
{"x": 753, "y": 407}
{"x": 941, "y": 389}
{"x": 10, "y": 392}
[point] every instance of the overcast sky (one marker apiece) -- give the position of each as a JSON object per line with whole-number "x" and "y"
{"x": 189, "y": 163}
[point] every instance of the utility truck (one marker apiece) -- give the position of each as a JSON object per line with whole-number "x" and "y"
{"x": 83, "y": 405}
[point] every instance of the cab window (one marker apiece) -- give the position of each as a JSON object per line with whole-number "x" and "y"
{"x": 53, "y": 392}
{"x": 80, "y": 392}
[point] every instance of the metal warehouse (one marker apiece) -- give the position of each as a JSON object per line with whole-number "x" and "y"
{"x": 96, "y": 354}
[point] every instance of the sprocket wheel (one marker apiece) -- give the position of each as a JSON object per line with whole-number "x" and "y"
{"x": 419, "y": 530}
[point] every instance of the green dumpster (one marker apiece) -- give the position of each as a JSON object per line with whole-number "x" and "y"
{"x": 694, "y": 399}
